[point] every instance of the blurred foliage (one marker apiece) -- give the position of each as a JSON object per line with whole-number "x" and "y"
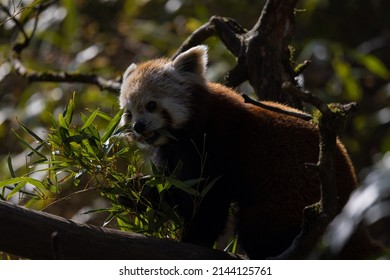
{"x": 370, "y": 205}
{"x": 347, "y": 42}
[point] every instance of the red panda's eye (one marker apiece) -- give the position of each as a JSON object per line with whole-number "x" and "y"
{"x": 128, "y": 115}
{"x": 151, "y": 106}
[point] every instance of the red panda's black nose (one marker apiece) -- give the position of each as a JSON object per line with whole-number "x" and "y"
{"x": 138, "y": 127}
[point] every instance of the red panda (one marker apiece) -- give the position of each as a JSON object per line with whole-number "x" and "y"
{"x": 259, "y": 156}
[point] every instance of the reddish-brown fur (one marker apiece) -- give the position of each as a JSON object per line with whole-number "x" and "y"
{"x": 264, "y": 157}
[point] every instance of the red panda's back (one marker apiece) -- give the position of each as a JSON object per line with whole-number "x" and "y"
{"x": 270, "y": 156}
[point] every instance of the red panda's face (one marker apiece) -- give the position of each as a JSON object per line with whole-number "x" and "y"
{"x": 156, "y": 97}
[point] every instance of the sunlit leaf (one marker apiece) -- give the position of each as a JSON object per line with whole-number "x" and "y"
{"x": 11, "y": 181}
{"x": 344, "y": 73}
{"x": 372, "y": 63}
{"x": 69, "y": 111}
{"x": 112, "y": 125}
{"x": 16, "y": 189}
{"x": 90, "y": 119}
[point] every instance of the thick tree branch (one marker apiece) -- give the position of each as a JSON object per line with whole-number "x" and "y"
{"x": 318, "y": 216}
{"x": 38, "y": 235}
{"x": 227, "y": 29}
{"x": 263, "y": 53}
{"x": 268, "y": 52}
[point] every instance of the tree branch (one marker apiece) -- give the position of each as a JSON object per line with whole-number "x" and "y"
{"x": 64, "y": 77}
{"x": 263, "y": 53}
{"x": 38, "y": 235}
{"x": 227, "y": 29}
{"x": 318, "y": 216}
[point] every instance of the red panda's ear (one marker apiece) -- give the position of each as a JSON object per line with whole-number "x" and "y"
{"x": 129, "y": 70}
{"x": 193, "y": 61}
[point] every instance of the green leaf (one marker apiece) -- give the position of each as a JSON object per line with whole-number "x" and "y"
{"x": 93, "y": 211}
{"x": 61, "y": 121}
{"x": 209, "y": 186}
{"x": 90, "y": 119}
{"x": 109, "y": 219}
{"x": 10, "y": 166}
{"x": 112, "y": 125}
{"x": 11, "y": 181}
{"x": 29, "y": 131}
{"x": 35, "y": 182}
{"x": 16, "y": 189}
{"x": 37, "y": 148}
{"x": 69, "y": 111}
{"x": 182, "y": 186}
{"x": 53, "y": 122}
{"x": 372, "y": 63}
{"x": 77, "y": 138}
{"x": 102, "y": 115}
{"x": 344, "y": 72}
{"x": 28, "y": 145}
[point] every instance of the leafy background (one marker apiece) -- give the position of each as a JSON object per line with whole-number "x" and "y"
{"x": 347, "y": 42}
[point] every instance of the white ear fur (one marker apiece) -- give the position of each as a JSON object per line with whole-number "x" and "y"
{"x": 129, "y": 70}
{"x": 192, "y": 61}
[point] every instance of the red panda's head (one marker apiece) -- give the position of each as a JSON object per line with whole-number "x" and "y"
{"x": 156, "y": 95}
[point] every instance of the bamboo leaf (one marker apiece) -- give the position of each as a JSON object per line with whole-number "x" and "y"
{"x": 344, "y": 72}
{"x": 29, "y": 131}
{"x": 69, "y": 111}
{"x": 93, "y": 211}
{"x": 28, "y": 145}
{"x": 16, "y": 189}
{"x": 193, "y": 182}
{"x": 182, "y": 186}
{"x": 61, "y": 120}
{"x": 112, "y": 125}
{"x": 90, "y": 119}
{"x": 372, "y": 63}
{"x": 11, "y": 181}
{"x": 10, "y": 166}
{"x": 109, "y": 219}
{"x": 209, "y": 186}
{"x": 35, "y": 182}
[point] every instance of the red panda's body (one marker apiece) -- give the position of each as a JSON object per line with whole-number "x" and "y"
{"x": 263, "y": 158}
{"x": 259, "y": 155}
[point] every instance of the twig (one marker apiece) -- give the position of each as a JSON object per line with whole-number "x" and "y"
{"x": 13, "y": 18}
{"x": 64, "y": 77}
{"x": 61, "y": 77}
